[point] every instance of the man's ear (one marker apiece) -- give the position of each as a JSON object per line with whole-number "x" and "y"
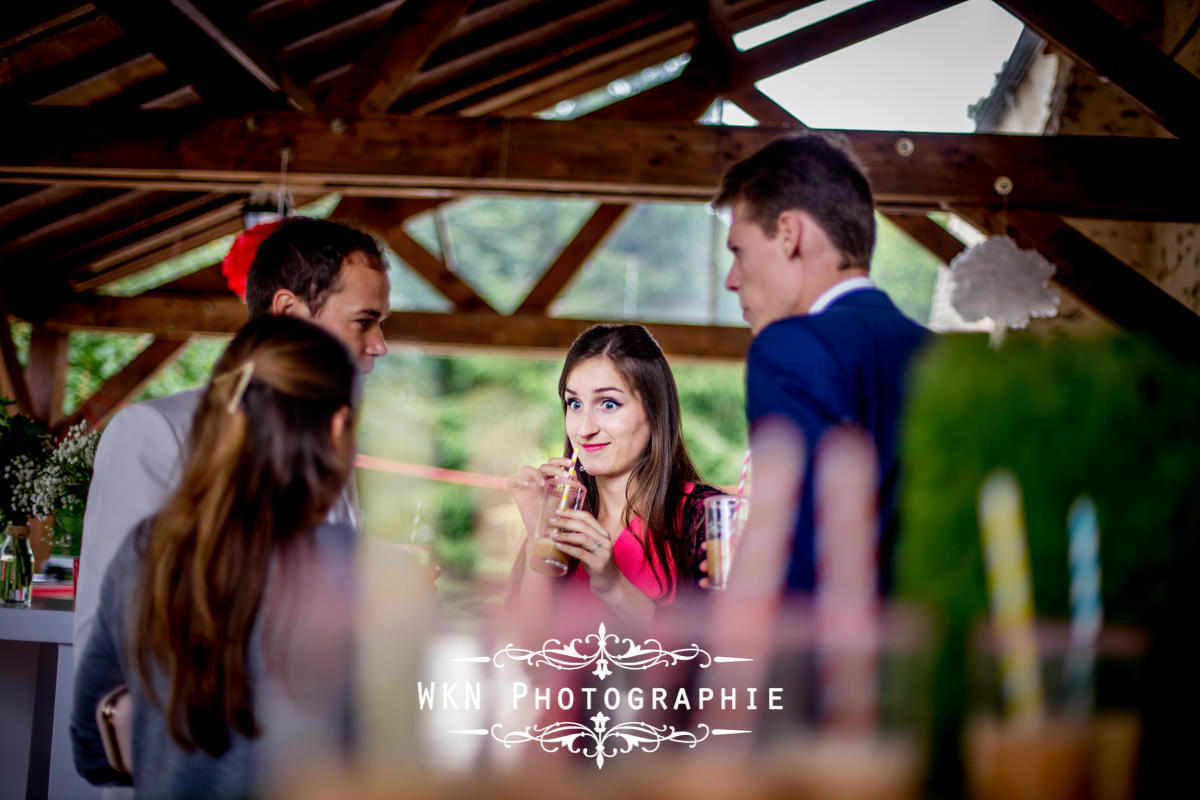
{"x": 789, "y": 231}
{"x": 285, "y": 303}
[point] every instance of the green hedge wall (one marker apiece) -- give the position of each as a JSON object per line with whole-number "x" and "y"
{"x": 1118, "y": 419}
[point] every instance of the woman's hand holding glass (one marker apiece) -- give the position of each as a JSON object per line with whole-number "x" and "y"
{"x": 583, "y": 538}
{"x": 526, "y": 488}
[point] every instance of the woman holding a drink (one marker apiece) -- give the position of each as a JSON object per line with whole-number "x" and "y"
{"x": 618, "y": 521}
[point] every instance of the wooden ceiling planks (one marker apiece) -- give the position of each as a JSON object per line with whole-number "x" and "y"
{"x": 509, "y": 58}
{"x": 1088, "y": 176}
{"x": 224, "y": 68}
{"x": 387, "y": 68}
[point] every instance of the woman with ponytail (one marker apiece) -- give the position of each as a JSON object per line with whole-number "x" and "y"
{"x": 229, "y": 614}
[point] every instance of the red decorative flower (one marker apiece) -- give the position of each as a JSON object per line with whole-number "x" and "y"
{"x": 236, "y": 265}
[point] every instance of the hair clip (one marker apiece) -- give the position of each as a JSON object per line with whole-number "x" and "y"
{"x": 245, "y": 371}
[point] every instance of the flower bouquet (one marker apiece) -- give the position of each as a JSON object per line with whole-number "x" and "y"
{"x": 24, "y": 445}
{"x": 60, "y": 484}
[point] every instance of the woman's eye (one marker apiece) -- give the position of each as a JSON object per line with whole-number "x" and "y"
{"x": 573, "y": 405}
{"x": 610, "y": 405}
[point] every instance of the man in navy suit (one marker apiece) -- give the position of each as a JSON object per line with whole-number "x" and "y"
{"x": 829, "y": 347}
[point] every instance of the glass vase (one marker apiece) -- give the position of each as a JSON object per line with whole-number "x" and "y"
{"x": 16, "y": 568}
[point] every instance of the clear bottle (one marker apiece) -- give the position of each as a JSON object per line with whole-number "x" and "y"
{"x": 16, "y": 568}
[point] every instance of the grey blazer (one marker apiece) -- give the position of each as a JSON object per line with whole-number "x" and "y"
{"x": 138, "y": 464}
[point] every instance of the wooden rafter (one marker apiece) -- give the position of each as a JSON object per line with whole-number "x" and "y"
{"x": 384, "y": 72}
{"x": 151, "y": 250}
{"x": 513, "y": 74}
{"x": 1098, "y": 278}
{"x": 97, "y": 214}
{"x": 223, "y": 314}
{"x": 510, "y": 54}
{"x": 571, "y": 78}
{"x": 754, "y": 102}
{"x": 589, "y": 238}
{"x": 171, "y": 210}
{"x": 12, "y": 374}
{"x": 434, "y": 270}
{"x": 223, "y": 67}
{"x": 128, "y": 382}
{"x": 929, "y": 234}
{"x": 1093, "y": 36}
{"x": 621, "y": 38}
{"x": 1104, "y": 176}
{"x": 832, "y": 34}
{"x": 423, "y": 262}
{"x": 46, "y": 373}
{"x": 37, "y": 200}
{"x": 166, "y": 314}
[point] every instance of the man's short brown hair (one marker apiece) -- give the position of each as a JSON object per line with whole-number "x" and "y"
{"x": 813, "y": 172}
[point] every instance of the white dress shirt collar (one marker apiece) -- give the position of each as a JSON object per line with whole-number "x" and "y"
{"x": 839, "y": 289}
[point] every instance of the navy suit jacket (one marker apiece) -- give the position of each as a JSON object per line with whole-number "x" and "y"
{"x": 847, "y": 363}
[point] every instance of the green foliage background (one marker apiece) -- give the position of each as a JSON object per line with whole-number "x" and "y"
{"x": 1114, "y": 419}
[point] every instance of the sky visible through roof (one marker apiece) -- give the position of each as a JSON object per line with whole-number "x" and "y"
{"x": 919, "y": 77}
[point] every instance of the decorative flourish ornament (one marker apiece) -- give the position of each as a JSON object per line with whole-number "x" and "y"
{"x": 576, "y": 655}
{"x": 599, "y": 741}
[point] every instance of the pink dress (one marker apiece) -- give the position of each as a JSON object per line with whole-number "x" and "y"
{"x": 579, "y": 605}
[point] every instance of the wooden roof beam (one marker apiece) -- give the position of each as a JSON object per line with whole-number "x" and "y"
{"x": 799, "y": 47}
{"x": 568, "y": 263}
{"x": 157, "y": 312}
{"x": 829, "y": 35}
{"x": 46, "y": 373}
{"x": 163, "y": 214}
{"x": 661, "y": 32}
{"x": 928, "y": 234}
{"x": 12, "y": 374}
{"x": 124, "y": 386}
{"x": 1094, "y": 37}
{"x": 1098, "y": 278}
{"x": 1086, "y": 176}
{"x": 150, "y": 250}
{"x": 376, "y": 215}
{"x": 100, "y": 214}
{"x": 224, "y": 69}
{"x": 385, "y": 71}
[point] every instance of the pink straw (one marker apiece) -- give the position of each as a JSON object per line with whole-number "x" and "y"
{"x": 742, "y": 481}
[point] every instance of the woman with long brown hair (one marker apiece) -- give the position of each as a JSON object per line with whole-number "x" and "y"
{"x": 636, "y": 543}
{"x": 229, "y": 613}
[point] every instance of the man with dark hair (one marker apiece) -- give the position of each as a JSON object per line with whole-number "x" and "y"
{"x": 325, "y": 272}
{"x": 329, "y": 273}
{"x": 828, "y": 347}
